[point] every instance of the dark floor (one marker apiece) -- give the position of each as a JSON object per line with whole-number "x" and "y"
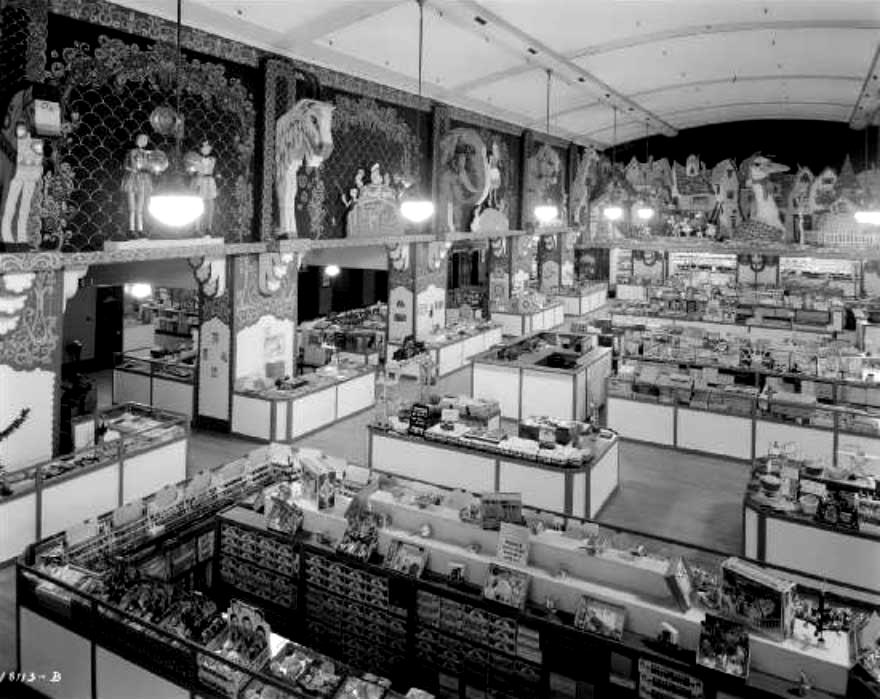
{"x": 695, "y": 499}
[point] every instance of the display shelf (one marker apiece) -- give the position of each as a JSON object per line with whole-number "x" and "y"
{"x": 517, "y": 324}
{"x": 167, "y": 384}
{"x": 455, "y": 347}
{"x": 396, "y": 623}
{"x": 149, "y": 449}
{"x": 558, "y": 374}
{"x": 284, "y": 415}
{"x": 582, "y": 490}
{"x": 580, "y": 300}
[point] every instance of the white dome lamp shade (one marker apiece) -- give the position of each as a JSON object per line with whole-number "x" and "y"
{"x": 613, "y": 212}
{"x": 418, "y": 208}
{"x": 869, "y": 217}
{"x": 332, "y": 271}
{"x": 547, "y": 213}
{"x": 174, "y": 204}
{"x": 644, "y": 212}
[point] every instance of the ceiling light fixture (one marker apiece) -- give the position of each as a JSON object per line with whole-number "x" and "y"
{"x": 332, "y": 271}
{"x": 417, "y": 208}
{"x": 547, "y": 213}
{"x": 174, "y": 203}
{"x": 613, "y": 211}
{"x": 644, "y": 211}
{"x": 139, "y": 290}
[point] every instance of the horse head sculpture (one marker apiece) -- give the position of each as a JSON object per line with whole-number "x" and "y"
{"x": 302, "y": 134}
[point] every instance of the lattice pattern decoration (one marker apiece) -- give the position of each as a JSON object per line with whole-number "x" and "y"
{"x": 109, "y": 89}
{"x": 364, "y": 132}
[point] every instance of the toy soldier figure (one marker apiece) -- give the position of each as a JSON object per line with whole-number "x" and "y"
{"x": 28, "y": 172}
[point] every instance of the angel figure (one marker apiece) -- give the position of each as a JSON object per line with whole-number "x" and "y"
{"x": 137, "y": 183}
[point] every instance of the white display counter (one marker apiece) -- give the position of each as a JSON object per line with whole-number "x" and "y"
{"x": 45, "y": 506}
{"x": 282, "y": 416}
{"x": 523, "y": 388}
{"x": 579, "y": 491}
{"x": 517, "y": 324}
{"x": 798, "y": 543}
{"x": 579, "y": 301}
{"x": 452, "y": 355}
{"x": 631, "y": 292}
{"x": 161, "y": 384}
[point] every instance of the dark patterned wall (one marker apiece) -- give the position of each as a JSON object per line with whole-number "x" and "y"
{"x": 509, "y": 151}
{"x": 365, "y": 131}
{"x": 249, "y": 305}
{"x": 110, "y": 82}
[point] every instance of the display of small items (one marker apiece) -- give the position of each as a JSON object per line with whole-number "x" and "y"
{"x": 361, "y": 535}
{"x": 306, "y": 670}
{"x": 757, "y": 599}
{"x": 724, "y": 646}
{"x": 598, "y": 616}
{"x": 506, "y": 585}
{"x": 258, "y": 564}
{"x": 405, "y": 558}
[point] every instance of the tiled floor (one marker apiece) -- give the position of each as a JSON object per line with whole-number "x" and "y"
{"x": 691, "y": 498}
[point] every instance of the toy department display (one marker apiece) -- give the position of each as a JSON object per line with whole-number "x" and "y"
{"x": 347, "y": 597}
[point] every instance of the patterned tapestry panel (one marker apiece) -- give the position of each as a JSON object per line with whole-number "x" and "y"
{"x": 32, "y": 343}
{"x": 110, "y": 84}
{"x": 365, "y": 132}
{"x": 250, "y": 305}
{"x": 507, "y": 148}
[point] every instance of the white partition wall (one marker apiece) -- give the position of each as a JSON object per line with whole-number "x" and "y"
{"x": 47, "y": 648}
{"x": 728, "y": 435}
{"x": 116, "y": 678}
{"x": 646, "y": 422}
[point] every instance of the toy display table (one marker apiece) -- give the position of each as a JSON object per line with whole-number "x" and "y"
{"x": 580, "y": 300}
{"x": 517, "y": 324}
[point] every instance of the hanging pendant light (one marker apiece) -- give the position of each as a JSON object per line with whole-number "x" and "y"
{"x": 613, "y": 211}
{"x": 414, "y": 206}
{"x": 548, "y": 212}
{"x": 644, "y": 211}
{"x": 174, "y": 203}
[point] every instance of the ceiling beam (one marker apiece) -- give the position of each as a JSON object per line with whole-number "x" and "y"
{"x": 675, "y": 33}
{"x": 867, "y": 106}
{"x": 338, "y": 18}
{"x": 703, "y": 83}
{"x": 493, "y": 28}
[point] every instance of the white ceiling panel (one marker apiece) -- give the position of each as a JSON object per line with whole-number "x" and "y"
{"x": 573, "y": 26}
{"x": 708, "y": 57}
{"x": 527, "y": 94}
{"x": 390, "y": 39}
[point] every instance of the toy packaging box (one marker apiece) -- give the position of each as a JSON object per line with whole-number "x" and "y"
{"x": 757, "y": 599}
{"x": 319, "y": 483}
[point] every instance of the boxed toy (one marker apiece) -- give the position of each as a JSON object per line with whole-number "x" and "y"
{"x": 754, "y": 597}
{"x": 318, "y": 483}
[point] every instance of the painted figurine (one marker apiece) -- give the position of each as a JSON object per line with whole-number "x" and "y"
{"x": 137, "y": 183}
{"x": 28, "y": 173}
{"x": 204, "y": 184}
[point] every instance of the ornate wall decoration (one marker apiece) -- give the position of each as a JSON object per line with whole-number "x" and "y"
{"x": 210, "y": 274}
{"x": 33, "y": 341}
{"x": 545, "y": 181}
{"x": 250, "y": 304}
{"x": 23, "y": 49}
{"x": 365, "y": 132}
{"x": 109, "y": 87}
{"x": 151, "y": 27}
{"x": 464, "y": 182}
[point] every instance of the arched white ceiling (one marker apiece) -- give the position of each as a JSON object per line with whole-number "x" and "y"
{"x": 662, "y": 65}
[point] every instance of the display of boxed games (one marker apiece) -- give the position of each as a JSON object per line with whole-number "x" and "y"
{"x": 753, "y": 597}
{"x": 361, "y": 535}
{"x": 598, "y": 616}
{"x": 244, "y": 641}
{"x": 405, "y": 558}
{"x": 318, "y": 482}
{"x": 659, "y": 681}
{"x": 496, "y": 508}
{"x": 506, "y": 586}
{"x": 724, "y": 646}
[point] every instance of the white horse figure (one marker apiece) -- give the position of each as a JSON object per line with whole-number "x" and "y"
{"x": 302, "y": 133}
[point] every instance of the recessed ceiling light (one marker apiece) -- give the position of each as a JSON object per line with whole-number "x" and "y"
{"x": 479, "y": 20}
{"x": 532, "y": 51}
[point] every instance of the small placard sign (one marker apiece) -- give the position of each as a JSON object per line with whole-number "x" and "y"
{"x": 419, "y": 418}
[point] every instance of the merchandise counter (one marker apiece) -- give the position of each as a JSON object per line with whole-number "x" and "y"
{"x": 320, "y": 399}
{"x": 797, "y": 542}
{"x": 165, "y": 384}
{"x": 453, "y": 350}
{"x": 550, "y": 380}
{"x": 518, "y": 323}
{"x": 738, "y": 425}
{"x": 578, "y": 301}
{"x": 581, "y": 491}
{"x": 143, "y": 449}
{"x": 442, "y": 633}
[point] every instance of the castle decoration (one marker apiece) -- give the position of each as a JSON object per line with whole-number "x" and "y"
{"x": 692, "y": 187}
{"x": 798, "y": 208}
{"x": 823, "y": 191}
{"x": 726, "y": 214}
{"x": 374, "y": 206}
{"x": 303, "y": 134}
{"x": 465, "y": 179}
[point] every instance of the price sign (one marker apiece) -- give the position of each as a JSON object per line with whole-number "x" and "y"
{"x": 419, "y": 416}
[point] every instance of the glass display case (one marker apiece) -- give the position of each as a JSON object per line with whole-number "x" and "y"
{"x": 164, "y": 379}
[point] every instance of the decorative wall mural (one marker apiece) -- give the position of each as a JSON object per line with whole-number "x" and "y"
{"x": 545, "y": 181}
{"x": 373, "y": 205}
{"x": 30, "y": 305}
{"x": 464, "y": 179}
{"x": 302, "y": 135}
{"x": 250, "y": 304}
{"x": 586, "y": 180}
{"x": 365, "y": 133}
{"x": 110, "y": 86}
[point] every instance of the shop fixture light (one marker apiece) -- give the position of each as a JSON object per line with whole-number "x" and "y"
{"x": 546, "y": 214}
{"x": 870, "y": 217}
{"x": 418, "y": 208}
{"x": 644, "y": 211}
{"x": 613, "y": 213}
{"x": 332, "y": 271}
{"x": 175, "y": 204}
{"x": 139, "y": 291}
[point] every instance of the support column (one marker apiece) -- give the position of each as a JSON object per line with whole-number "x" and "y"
{"x": 416, "y": 290}
{"x": 31, "y": 322}
{"x": 499, "y": 270}
{"x": 522, "y": 254}
{"x": 549, "y": 262}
